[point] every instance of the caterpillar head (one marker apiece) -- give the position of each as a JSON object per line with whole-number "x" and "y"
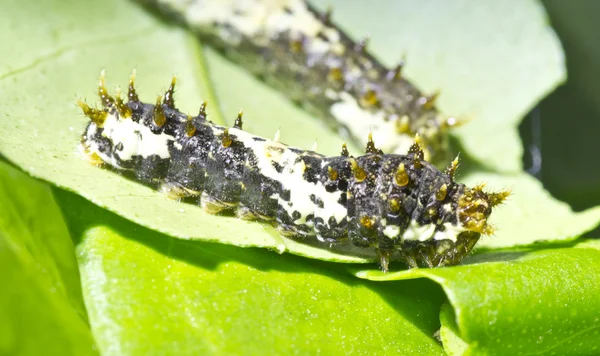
{"x": 97, "y": 147}
{"x": 475, "y": 206}
{"x": 473, "y": 210}
{"x": 123, "y": 134}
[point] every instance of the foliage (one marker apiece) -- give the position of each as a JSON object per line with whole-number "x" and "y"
{"x": 158, "y": 276}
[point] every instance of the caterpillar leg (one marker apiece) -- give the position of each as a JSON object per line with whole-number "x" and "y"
{"x": 212, "y": 205}
{"x": 176, "y": 191}
{"x": 245, "y": 213}
{"x": 384, "y": 259}
{"x": 442, "y": 250}
{"x": 289, "y": 231}
{"x": 427, "y": 255}
{"x": 410, "y": 260}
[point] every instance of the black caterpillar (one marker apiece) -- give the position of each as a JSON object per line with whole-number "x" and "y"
{"x": 397, "y": 204}
{"x": 300, "y": 52}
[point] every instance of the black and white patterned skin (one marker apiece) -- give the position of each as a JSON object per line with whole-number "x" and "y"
{"x": 399, "y": 205}
{"x": 302, "y": 53}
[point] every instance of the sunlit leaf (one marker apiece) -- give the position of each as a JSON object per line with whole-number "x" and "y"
{"x": 519, "y": 302}
{"x": 41, "y": 306}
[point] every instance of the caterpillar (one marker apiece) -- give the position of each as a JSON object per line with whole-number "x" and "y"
{"x": 300, "y": 52}
{"x": 399, "y": 205}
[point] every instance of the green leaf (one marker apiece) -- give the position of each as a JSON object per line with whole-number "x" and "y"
{"x": 521, "y": 302}
{"x": 41, "y": 305}
{"x": 150, "y": 293}
{"x": 58, "y": 48}
{"x": 449, "y": 334}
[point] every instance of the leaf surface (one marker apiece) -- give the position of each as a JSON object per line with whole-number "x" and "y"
{"x": 525, "y": 302}
{"x": 41, "y": 305}
{"x": 151, "y": 293}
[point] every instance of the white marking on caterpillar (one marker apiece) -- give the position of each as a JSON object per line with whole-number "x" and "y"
{"x": 137, "y": 139}
{"x": 450, "y": 232}
{"x": 416, "y": 232}
{"x": 348, "y": 113}
{"x": 391, "y": 231}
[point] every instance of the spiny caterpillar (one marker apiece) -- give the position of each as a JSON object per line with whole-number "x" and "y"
{"x": 399, "y": 205}
{"x": 300, "y": 52}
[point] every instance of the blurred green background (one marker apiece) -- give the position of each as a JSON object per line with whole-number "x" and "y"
{"x": 565, "y": 126}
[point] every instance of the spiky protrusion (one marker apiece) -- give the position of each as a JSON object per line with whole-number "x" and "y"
{"x": 226, "y": 139}
{"x": 190, "y": 128}
{"x": 277, "y": 136}
{"x": 169, "y": 99}
{"x": 417, "y": 145}
{"x": 159, "y": 115}
{"x": 238, "y": 120}
{"x": 345, "y": 152}
{"x": 97, "y": 116}
{"x": 428, "y": 102}
{"x": 417, "y": 151}
{"x": 396, "y": 73}
{"x": 452, "y": 167}
{"x": 371, "y": 149}
{"x": 123, "y": 110}
{"x": 105, "y": 98}
{"x": 358, "y": 172}
{"x": 452, "y": 121}
{"x": 479, "y": 187}
{"x": 326, "y": 16}
{"x": 202, "y": 111}
{"x": 131, "y": 93}
{"x": 498, "y": 198}
{"x": 401, "y": 177}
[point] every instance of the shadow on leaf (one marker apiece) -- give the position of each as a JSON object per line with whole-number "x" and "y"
{"x": 418, "y": 301}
